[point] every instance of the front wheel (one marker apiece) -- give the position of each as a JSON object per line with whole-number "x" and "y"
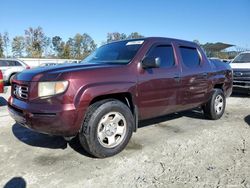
{"x": 109, "y": 125}
{"x": 215, "y": 107}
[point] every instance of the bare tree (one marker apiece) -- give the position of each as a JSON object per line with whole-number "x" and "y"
{"x": 18, "y": 46}
{"x": 115, "y": 36}
{"x": 1, "y": 46}
{"x": 135, "y": 35}
{"x": 6, "y": 42}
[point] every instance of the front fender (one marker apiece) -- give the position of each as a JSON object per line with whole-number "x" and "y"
{"x": 87, "y": 93}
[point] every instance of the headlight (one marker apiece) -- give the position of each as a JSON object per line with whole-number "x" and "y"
{"x": 51, "y": 88}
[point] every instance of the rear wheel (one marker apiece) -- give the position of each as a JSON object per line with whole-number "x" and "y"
{"x": 215, "y": 107}
{"x": 107, "y": 128}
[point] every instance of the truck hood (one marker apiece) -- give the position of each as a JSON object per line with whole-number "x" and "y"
{"x": 240, "y": 65}
{"x": 52, "y": 72}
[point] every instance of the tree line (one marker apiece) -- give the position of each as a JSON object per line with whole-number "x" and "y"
{"x": 35, "y": 44}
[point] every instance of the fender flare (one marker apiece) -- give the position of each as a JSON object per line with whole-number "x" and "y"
{"x": 88, "y": 93}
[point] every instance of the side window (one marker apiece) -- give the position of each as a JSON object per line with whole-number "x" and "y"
{"x": 17, "y": 63}
{"x": 165, "y": 53}
{"x": 11, "y": 63}
{"x": 190, "y": 56}
{"x": 3, "y": 63}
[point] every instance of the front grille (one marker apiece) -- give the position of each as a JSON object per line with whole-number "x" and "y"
{"x": 242, "y": 74}
{"x": 20, "y": 91}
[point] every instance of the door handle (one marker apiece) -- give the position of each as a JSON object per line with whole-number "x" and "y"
{"x": 203, "y": 75}
{"x": 177, "y": 77}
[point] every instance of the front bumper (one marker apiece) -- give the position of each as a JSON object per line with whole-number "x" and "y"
{"x": 244, "y": 84}
{"x": 241, "y": 86}
{"x": 62, "y": 120}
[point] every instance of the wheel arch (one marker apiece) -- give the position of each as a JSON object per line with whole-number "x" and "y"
{"x": 219, "y": 86}
{"x": 122, "y": 91}
{"x": 11, "y": 74}
{"x": 124, "y": 97}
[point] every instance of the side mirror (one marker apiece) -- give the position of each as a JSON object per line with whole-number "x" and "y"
{"x": 150, "y": 62}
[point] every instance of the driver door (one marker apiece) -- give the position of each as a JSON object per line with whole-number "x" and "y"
{"x": 158, "y": 88}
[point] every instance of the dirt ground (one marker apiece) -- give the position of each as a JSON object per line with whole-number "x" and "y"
{"x": 178, "y": 150}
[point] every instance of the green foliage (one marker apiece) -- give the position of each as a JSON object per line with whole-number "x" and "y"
{"x": 115, "y": 36}
{"x": 66, "y": 54}
{"x": 135, "y": 35}
{"x": 58, "y": 45}
{"x": 88, "y": 45}
{"x": 18, "y": 46}
{"x": 47, "y": 47}
{"x": 36, "y": 42}
{"x": 77, "y": 47}
{"x": 82, "y": 45}
{"x": 68, "y": 49}
{"x": 197, "y": 42}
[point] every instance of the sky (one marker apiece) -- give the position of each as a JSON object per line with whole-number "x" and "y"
{"x": 205, "y": 20}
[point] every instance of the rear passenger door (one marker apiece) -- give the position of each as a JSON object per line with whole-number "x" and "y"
{"x": 194, "y": 78}
{"x": 15, "y": 66}
{"x": 158, "y": 87}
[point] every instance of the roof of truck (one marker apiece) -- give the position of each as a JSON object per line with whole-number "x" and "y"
{"x": 157, "y": 39}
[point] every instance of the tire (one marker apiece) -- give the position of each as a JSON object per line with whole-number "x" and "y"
{"x": 215, "y": 107}
{"x": 107, "y": 128}
{"x": 11, "y": 78}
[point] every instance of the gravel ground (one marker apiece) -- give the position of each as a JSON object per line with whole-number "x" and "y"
{"x": 178, "y": 150}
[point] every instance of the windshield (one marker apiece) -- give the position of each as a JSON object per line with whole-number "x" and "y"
{"x": 118, "y": 52}
{"x": 242, "y": 58}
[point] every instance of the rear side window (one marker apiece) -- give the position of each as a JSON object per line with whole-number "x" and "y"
{"x": 190, "y": 56}
{"x": 14, "y": 63}
{"x": 17, "y": 63}
{"x": 165, "y": 53}
{"x": 3, "y": 63}
{"x": 11, "y": 63}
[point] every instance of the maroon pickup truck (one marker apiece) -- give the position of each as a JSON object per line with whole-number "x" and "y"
{"x": 103, "y": 98}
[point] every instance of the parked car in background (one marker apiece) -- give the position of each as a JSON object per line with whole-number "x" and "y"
{"x": 71, "y": 61}
{"x": 47, "y": 64}
{"x": 102, "y": 99}
{"x": 1, "y": 82}
{"x": 226, "y": 60}
{"x": 10, "y": 67}
{"x": 241, "y": 70}
{"x": 219, "y": 60}
{"x": 215, "y": 59}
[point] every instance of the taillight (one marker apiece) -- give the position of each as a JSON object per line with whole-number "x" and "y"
{"x": 28, "y": 67}
{"x": 1, "y": 83}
